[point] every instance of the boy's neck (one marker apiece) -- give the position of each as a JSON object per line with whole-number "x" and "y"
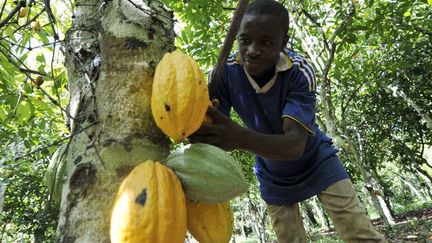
{"x": 263, "y": 79}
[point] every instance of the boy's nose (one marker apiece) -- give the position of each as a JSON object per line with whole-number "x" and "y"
{"x": 253, "y": 50}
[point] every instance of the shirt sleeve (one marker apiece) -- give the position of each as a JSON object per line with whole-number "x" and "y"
{"x": 301, "y": 99}
{"x": 221, "y": 92}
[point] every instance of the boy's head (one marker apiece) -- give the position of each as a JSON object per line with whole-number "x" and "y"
{"x": 270, "y": 7}
{"x": 262, "y": 36}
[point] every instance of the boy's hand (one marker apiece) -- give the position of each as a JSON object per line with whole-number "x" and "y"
{"x": 222, "y": 132}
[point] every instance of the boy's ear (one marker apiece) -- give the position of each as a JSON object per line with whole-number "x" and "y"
{"x": 284, "y": 41}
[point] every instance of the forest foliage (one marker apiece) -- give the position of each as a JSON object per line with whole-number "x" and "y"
{"x": 373, "y": 60}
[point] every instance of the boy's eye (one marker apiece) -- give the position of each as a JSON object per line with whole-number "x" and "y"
{"x": 267, "y": 43}
{"x": 243, "y": 41}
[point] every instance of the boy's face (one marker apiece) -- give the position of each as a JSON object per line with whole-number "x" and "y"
{"x": 260, "y": 40}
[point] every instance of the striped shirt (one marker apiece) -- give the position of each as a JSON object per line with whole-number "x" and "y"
{"x": 291, "y": 93}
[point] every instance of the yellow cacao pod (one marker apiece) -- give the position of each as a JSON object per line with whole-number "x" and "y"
{"x": 149, "y": 207}
{"x": 179, "y": 96}
{"x": 210, "y": 223}
{"x": 23, "y": 12}
{"x": 35, "y": 26}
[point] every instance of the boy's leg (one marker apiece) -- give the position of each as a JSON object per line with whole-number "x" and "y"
{"x": 348, "y": 215}
{"x": 287, "y": 223}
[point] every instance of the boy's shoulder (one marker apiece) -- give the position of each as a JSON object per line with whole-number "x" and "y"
{"x": 234, "y": 59}
{"x": 297, "y": 59}
{"x": 302, "y": 66}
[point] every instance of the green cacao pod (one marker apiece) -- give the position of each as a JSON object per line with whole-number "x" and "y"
{"x": 208, "y": 173}
{"x": 54, "y": 176}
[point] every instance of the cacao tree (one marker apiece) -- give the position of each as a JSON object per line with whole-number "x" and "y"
{"x": 112, "y": 50}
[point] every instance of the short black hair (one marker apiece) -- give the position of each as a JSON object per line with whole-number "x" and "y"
{"x": 270, "y": 7}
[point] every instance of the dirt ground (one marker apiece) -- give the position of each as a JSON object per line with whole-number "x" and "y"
{"x": 414, "y": 226}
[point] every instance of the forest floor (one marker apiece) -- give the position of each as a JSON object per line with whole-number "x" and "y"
{"x": 412, "y": 226}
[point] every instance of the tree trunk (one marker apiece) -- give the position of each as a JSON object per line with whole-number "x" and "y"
{"x": 417, "y": 161}
{"x": 2, "y": 193}
{"x": 426, "y": 185}
{"x": 306, "y": 206}
{"x": 259, "y": 216}
{"x": 372, "y": 183}
{"x": 325, "y": 222}
{"x": 112, "y": 50}
{"x": 414, "y": 191}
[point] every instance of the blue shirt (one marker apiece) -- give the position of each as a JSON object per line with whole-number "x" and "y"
{"x": 291, "y": 93}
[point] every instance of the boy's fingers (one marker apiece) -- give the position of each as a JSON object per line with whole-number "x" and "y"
{"x": 215, "y": 102}
{"x": 216, "y": 114}
{"x": 204, "y": 129}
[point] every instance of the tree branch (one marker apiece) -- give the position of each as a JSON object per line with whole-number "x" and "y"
{"x": 11, "y": 14}
{"x": 1, "y": 15}
{"x": 416, "y": 28}
{"x": 333, "y": 45}
{"x": 25, "y": 70}
{"x": 320, "y": 29}
{"x": 57, "y": 142}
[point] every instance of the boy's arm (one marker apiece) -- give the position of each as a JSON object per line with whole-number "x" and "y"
{"x": 228, "y": 135}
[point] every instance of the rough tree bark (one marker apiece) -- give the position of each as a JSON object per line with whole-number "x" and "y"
{"x": 111, "y": 53}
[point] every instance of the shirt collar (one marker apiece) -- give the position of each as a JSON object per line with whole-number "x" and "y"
{"x": 284, "y": 63}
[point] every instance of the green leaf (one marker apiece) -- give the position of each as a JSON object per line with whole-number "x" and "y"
{"x": 28, "y": 88}
{"x": 43, "y": 36}
{"x": 25, "y": 110}
{"x": 3, "y": 113}
{"x": 40, "y": 58}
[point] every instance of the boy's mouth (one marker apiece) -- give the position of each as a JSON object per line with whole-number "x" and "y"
{"x": 252, "y": 61}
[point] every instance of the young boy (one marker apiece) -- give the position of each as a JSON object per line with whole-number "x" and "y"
{"x": 273, "y": 90}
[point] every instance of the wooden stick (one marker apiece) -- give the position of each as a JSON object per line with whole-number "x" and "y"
{"x": 228, "y": 43}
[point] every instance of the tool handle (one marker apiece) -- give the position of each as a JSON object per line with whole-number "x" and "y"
{"x": 228, "y": 43}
